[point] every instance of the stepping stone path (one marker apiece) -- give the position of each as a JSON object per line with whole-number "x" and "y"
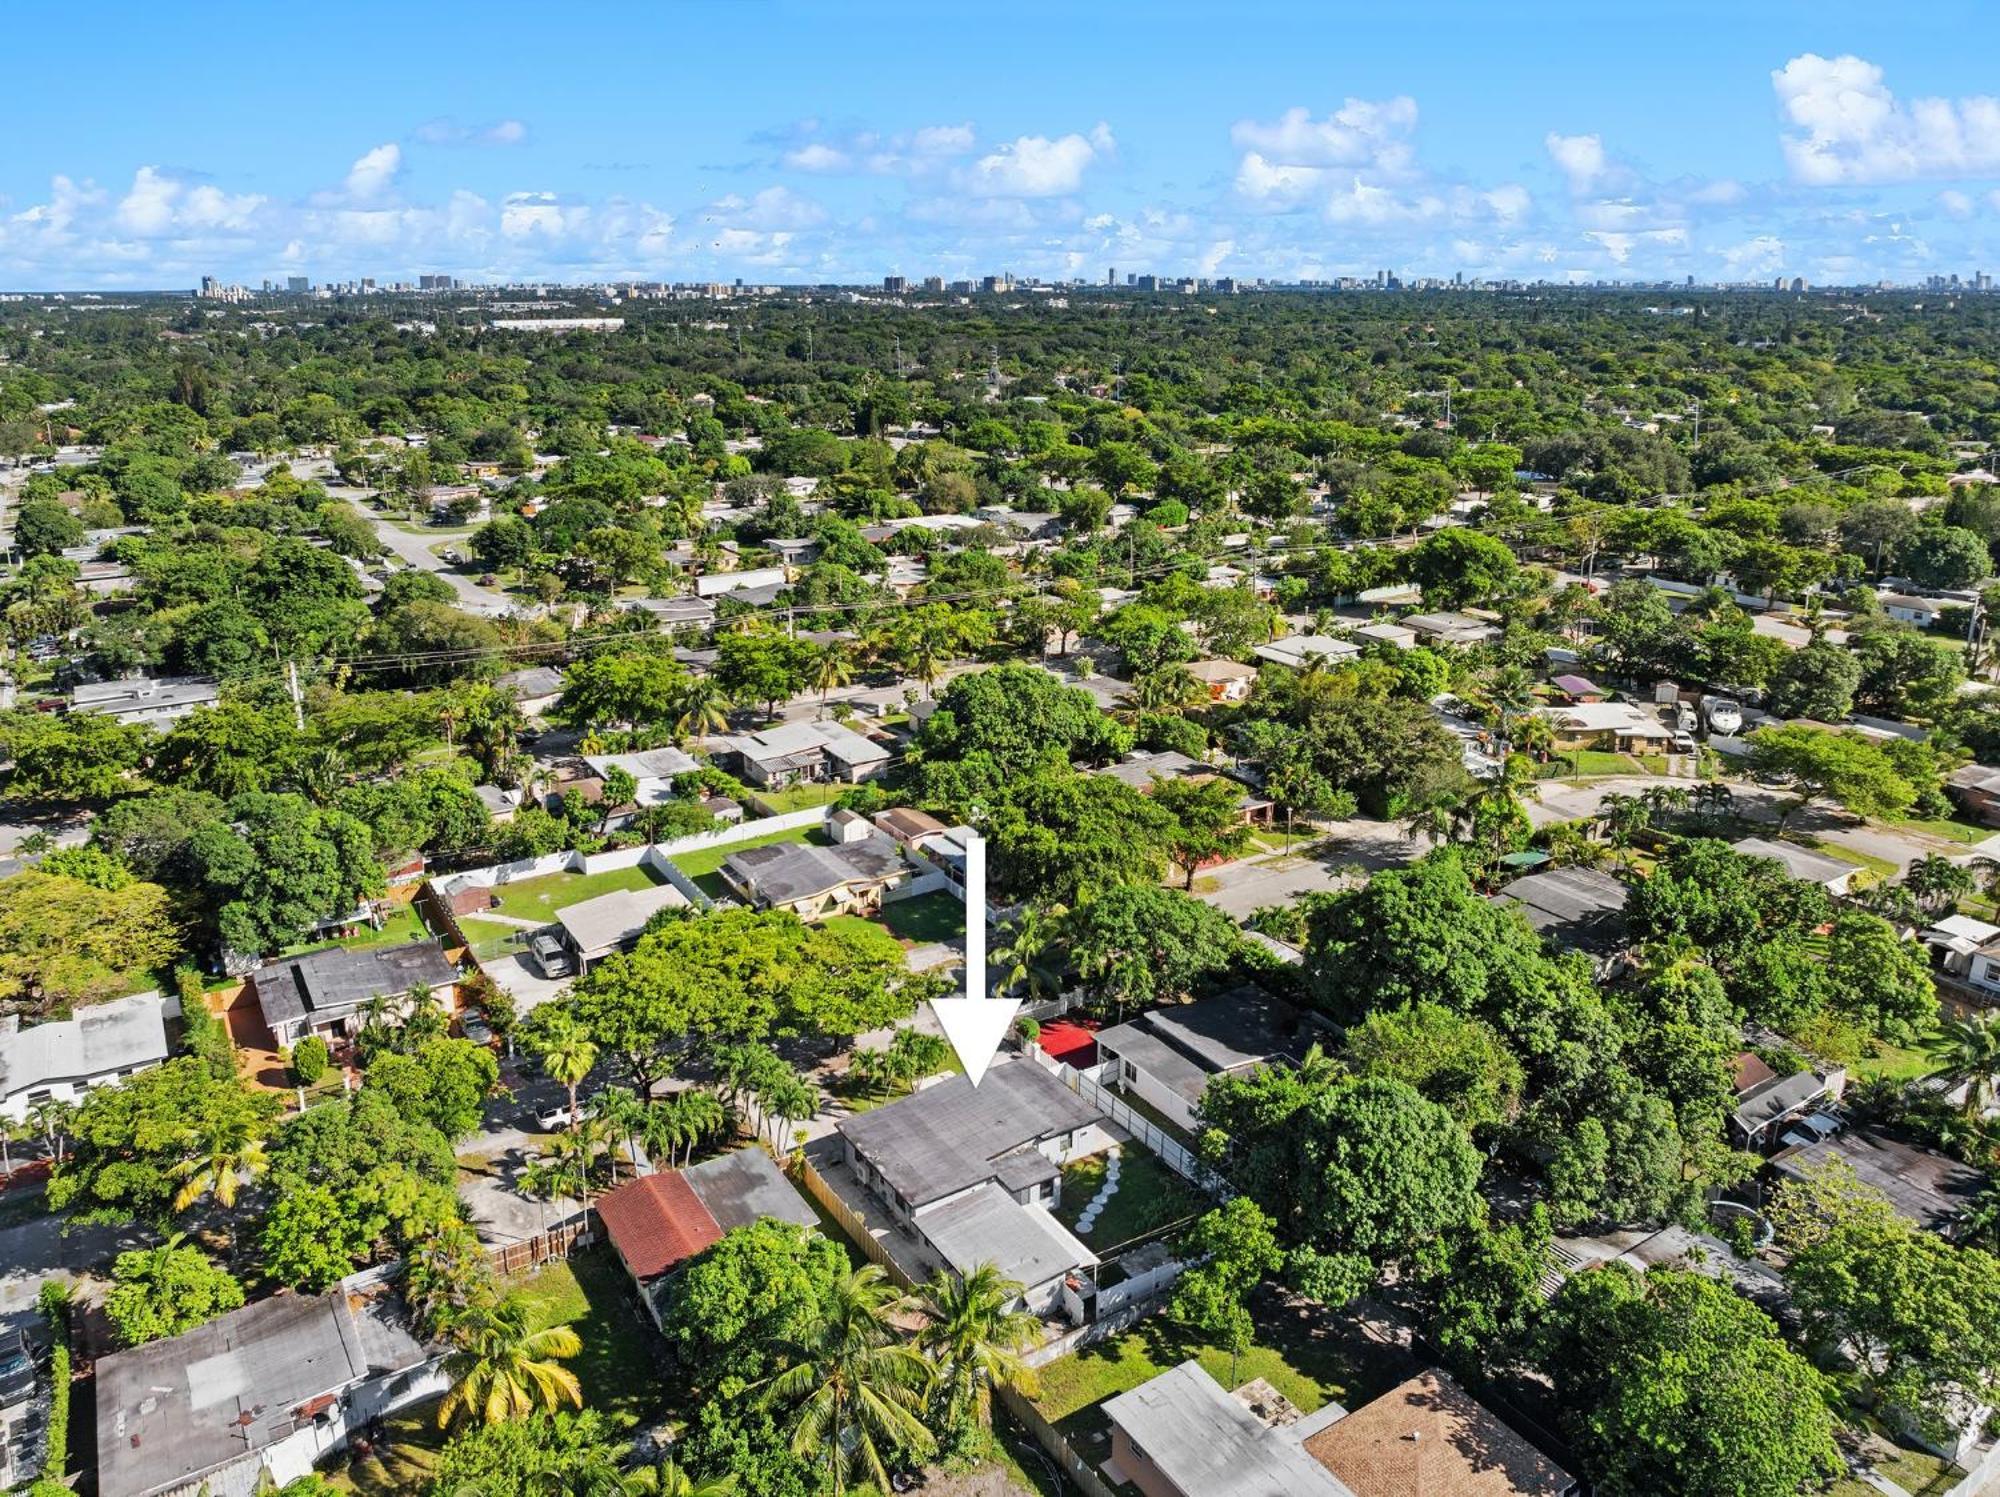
{"x": 1088, "y": 1217}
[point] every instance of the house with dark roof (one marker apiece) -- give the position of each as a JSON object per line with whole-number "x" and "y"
{"x": 1168, "y": 1056}
{"x": 972, "y": 1172}
{"x": 815, "y": 882}
{"x": 324, "y": 992}
{"x": 1926, "y": 1187}
{"x": 1142, "y": 770}
{"x": 1580, "y": 909}
{"x": 1976, "y": 790}
{"x": 62, "y": 1059}
{"x": 659, "y": 1221}
{"x": 1801, "y": 863}
{"x": 257, "y": 1396}
{"x": 1768, "y": 1104}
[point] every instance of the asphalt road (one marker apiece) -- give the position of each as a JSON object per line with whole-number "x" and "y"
{"x": 415, "y": 549}
{"x": 1240, "y": 888}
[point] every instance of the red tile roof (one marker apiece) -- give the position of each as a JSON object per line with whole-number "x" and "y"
{"x": 656, "y": 1222}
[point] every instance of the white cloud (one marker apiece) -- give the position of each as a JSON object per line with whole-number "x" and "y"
{"x": 1580, "y": 158}
{"x": 449, "y": 132}
{"x": 817, "y": 156}
{"x": 1955, "y": 204}
{"x": 774, "y": 208}
{"x": 1361, "y": 132}
{"x": 1035, "y": 166}
{"x": 870, "y": 153}
{"x": 149, "y": 207}
{"x": 1851, "y": 128}
{"x": 1214, "y": 255}
{"x": 1758, "y": 256}
{"x": 375, "y": 172}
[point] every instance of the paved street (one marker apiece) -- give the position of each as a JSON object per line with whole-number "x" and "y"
{"x": 415, "y": 549}
{"x": 1237, "y": 889}
{"x": 35, "y": 1251}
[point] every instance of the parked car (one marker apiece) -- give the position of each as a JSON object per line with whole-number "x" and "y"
{"x": 477, "y": 1030}
{"x": 551, "y": 956}
{"x": 555, "y": 1120}
{"x": 1683, "y": 743}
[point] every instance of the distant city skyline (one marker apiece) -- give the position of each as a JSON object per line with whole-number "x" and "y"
{"x": 785, "y": 142}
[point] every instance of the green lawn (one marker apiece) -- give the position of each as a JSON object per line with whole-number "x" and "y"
{"x": 1895, "y": 1062}
{"x": 484, "y": 933}
{"x": 540, "y": 898}
{"x": 401, "y": 927}
{"x": 928, "y": 917}
{"x": 704, "y": 865}
{"x": 404, "y": 1462}
{"x": 1150, "y": 1196}
{"x": 1881, "y": 868}
{"x": 801, "y": 797}
{"x": 617, "y": 1366}
{"x": 1585, "y": 763}
{"x": 1295, "y": 1350}
{"x": 1950, "y": 829}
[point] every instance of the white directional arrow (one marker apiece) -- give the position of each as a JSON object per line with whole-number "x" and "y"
{"x": 975, "y": 1024}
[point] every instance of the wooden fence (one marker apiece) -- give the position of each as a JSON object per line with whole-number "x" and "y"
{"x": 559, "y": 1241}
{"x": 1046, "y": 1435}
{"x": 851, "y": 1223}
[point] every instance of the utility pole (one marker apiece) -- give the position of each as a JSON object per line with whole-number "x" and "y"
{"x": 1697, "y": 423}
{"x": 298, "y": 697}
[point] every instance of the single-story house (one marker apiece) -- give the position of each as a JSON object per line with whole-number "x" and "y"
{"x": 501, "y": 805}
{"x": 1300, "y": 650}
{"x": 324, "y": 992}
{"x": 1614, "y": 726}
{"x": 1398, "y": 636}
{"x": 909, "y": 826}
{"x": 1168, "y": 1056}
{"x": 1182, "y": 1434}
{"x": 594, "y": 928}
{"x": 1926, "y": 1187}
{"x": 1909, "y": 609}
{"x": 1767, "y": 1104}
{"x": 1801, "y": 863}
{"x": 1582, "y": 909}
{"x": 675, "y": 613}
{"x": 1976, "y": 789}
{"x": 1451, "y": 628}
{"x": 259, "y": 1395}
{"x": 535, "y": 690}
{"x": 1577, "y": 688}
{"x": 794, "y": 752}
{"x": 1226, "y": 680}
{"x": 659, "y": 1221}
{"x": 719, "y": 584}
{"x": 1004, "y": 1141}
{"x": 794, "y": 551}
{"x": 814, "y": 882}
{"x": 146, "y": 699}
{"x": 1141, "y": 770}
{"x": 1965, "y": 948}
{"x": 62, "y": 1059}
{"x": 653, "y": 769}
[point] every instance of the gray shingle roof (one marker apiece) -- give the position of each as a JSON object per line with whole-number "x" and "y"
{"x": 1581, "y": 907}
{"x": 101, "y": 1039}
{"x": 743, "y": 1186}
{"x": 611, "y": 920}
{"x": 170, "y": 1411}
{"x": 948, "y": 1137}
{"x": 785, "y": 872}
{"x": 987, "y": 1225}
{"x": 339, "y": 979}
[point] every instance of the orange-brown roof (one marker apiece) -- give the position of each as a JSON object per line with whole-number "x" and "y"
{"x": 1430, "y": 1438}
{"x": 656, "y": 1222}
{"x": 1751, "y": 1071}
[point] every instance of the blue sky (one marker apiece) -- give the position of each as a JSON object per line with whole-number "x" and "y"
{"x": 149, "y": 144}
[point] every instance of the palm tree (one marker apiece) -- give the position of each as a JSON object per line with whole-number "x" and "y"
{"x": 702, "y": 709}
{"x": 667, "y": 1479}
{"x": 503, "y": 1368}
{"x": 1937, "y": 883}
{"x": 543, "y": 1178}
{"x": 566, "y": 1052}
{"x": 975, "y": 1339}
{"x": 832, "y": 668}
{"x": 623, "y": 1115}
{"x": 1171, "y": 689}
{"x": 788, "y": 1099}
{"x": 225, "y": 1150}
{"x": 685, "y": 1122}
{"x": 851, "y": 1387}
{"x": 1969, "y": 1048}
{"x": 51, "y": 1117}
{"x": 1027, "y": 956}
{"x": 574, "y": 1152}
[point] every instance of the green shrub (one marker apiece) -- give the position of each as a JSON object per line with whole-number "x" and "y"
{"x": 310, "y": 1058}
{"x": 55, "y": 1308}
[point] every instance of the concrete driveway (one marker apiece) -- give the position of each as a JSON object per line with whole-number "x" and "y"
{"x": 529, "y": 989}
{"x": 490, "y": 1162}
{"x": 35, "y": 1251}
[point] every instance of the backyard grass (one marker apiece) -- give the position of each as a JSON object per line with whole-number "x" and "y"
{"x": 801, "y": 797}
{"x": 927, "y": 918}
{"x": 591, "y": 1294}
{"x": 401, "y": 1464}
{"x": 540, "y": 898}
{"x": 704, "y": 864}
{"x": 1150, "y": 1196}
{"x": 494, "y": 933}
{"x": 1302, "y": 1356}
{"x": 1950, "y": 829}
{"x": 401, "y": 927}
{"x": 1896, "y": 1062}
{"x": 1157, "y": 1118}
